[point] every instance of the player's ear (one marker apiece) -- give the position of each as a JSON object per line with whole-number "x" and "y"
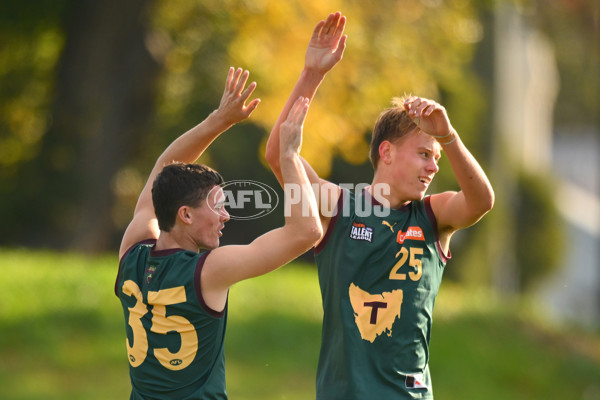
{"x": 183, "y": 213}
{"x": 385, "y": 152}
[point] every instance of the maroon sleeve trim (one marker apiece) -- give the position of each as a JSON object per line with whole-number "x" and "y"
{"x": 198, "y": 287}
{"x": 146, "y": 241}
{"x": 334, "y": 218}
{"x": 433, "y": 221}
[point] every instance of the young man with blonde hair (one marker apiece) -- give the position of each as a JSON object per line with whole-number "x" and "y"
{"x": 379, "y": 272}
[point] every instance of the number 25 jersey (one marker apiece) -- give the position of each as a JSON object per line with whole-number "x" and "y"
{"x": 379, "y": 272}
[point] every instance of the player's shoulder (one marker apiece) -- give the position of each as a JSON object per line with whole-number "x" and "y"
{"x": 143, "y": 245}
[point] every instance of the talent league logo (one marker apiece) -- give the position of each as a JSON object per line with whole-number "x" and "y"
{"x": 360, "y": 231}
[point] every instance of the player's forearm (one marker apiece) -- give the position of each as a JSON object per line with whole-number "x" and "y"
{"x": 471, "y": 178}
{"x": 301, "y": 213}
{"x": 307, "y": 86}
{"x": 189, "y": 146}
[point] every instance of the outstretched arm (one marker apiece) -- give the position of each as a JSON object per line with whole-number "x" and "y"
{"x": 188, "y": 147}
{"x": 453, "y": 210}
{"x": 230, "y": 264}
{"x": 325, "y": 50}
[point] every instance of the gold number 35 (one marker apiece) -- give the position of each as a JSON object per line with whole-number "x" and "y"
{"x": 161, "y": 324}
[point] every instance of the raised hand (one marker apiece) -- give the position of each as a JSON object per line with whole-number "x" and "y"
{"x": 327, "y": 44}
{"x": 429, "y": 116}
{"x": 290, "y": 131}
{"x": 233, "y": 108}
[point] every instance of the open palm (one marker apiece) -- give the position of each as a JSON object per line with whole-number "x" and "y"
{"x": 233, "y": 108}
{"x": 327, "y": 44}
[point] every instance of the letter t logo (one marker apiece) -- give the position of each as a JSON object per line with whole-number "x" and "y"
{"x": 376, "y": 305}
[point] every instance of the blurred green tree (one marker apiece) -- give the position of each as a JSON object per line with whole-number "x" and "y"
{"x": 106, "y": 72}
{"x": 536, "y": 217}
{"x": 574, "y": 27}
{"x": 91, "y": 92}
{"x": 96, "y": 87}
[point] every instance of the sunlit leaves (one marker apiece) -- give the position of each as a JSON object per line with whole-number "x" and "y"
{"x": 394, "y": 47}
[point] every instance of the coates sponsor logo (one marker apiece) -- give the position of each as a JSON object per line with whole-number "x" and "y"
{"x": 245, "y": 199}
{"x": 360, "y": 231}
{"x": 412, "y": 233}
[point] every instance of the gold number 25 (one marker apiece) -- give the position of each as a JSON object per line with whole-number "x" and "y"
{"x": 412, "y": 261}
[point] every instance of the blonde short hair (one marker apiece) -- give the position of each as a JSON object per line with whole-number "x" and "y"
{"x": 392, "y": 124}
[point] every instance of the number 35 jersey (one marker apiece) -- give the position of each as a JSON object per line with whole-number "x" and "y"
{"x": 175, "y": 342}
{"x": 379, "y": 273}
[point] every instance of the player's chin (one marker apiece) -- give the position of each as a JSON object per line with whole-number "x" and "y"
{"x": 418, "y": 196}
{"x": 213, "y": 244}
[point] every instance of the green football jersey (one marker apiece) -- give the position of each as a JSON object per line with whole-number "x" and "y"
{"x": 379, "y": 273}
{"x": 175, "y": 342}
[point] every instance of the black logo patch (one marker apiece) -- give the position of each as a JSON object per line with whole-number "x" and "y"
{"x": 360, "y": 231}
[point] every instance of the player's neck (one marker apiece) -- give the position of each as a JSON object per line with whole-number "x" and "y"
{"x": 385, "y": 193}
{"x": 172, "y": 240}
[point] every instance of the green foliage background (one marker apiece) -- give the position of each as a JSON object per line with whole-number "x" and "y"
{"x": 60, "y": 323}
{"x": 51, "y": 197}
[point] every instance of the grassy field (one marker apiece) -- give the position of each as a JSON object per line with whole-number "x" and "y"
{"x": 61, "y": 337}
